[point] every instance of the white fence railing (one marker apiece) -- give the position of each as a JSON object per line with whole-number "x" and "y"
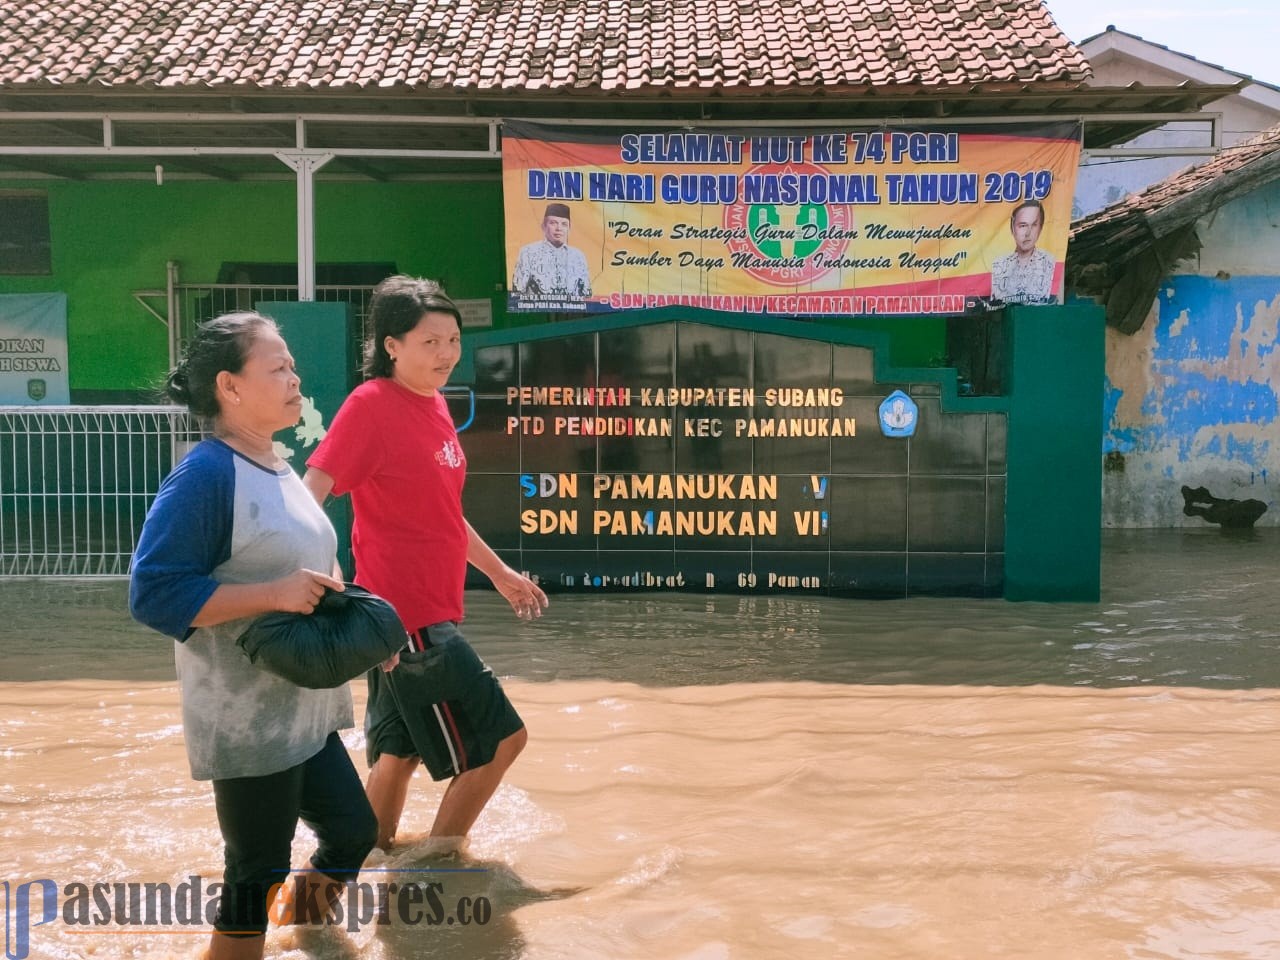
{"x": 193, "y": 303}
{"x": 186, "y": 305}
{"x": 76, "y": 483}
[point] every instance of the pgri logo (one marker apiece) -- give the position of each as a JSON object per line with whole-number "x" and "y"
{"x": 18, "y": 918}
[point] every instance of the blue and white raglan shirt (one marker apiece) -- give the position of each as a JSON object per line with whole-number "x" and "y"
{"x": 222, "y": 518}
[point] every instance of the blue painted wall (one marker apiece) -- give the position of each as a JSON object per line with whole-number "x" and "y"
{"x": 1191, "y": 398}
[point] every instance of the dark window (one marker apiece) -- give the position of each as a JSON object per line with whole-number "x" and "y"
{"x": 976, "y": 348}
{"x": 24, "y": 233}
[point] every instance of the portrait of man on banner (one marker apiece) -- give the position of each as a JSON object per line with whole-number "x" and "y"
{"x": 1026, "y": 274}
{"x": 550, "y": 267}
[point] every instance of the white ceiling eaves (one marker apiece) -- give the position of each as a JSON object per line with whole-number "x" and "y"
{"x": 1144, "y": 51}
{"x": 1262, "y": 95}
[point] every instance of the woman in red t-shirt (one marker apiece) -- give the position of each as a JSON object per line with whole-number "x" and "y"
{"x": 393, "y": 447}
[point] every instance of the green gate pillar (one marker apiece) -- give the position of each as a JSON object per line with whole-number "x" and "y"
{"x": 1053, "y": 508}
{"x": 322, "y": 338}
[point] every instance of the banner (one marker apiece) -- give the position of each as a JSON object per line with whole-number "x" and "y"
{"x": 33, "y": 349}
{"x": 804, "y": 222}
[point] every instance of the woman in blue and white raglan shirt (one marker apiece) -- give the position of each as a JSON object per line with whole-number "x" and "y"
{"x": 234, "y": 534}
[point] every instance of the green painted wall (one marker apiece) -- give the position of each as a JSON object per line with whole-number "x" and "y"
{"x": 110, "y": 238}
{"x": 1053, "y": 506}
{"x": 450, "y": 232}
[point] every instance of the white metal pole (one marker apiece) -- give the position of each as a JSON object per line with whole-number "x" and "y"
{"x": 305, "y": 166}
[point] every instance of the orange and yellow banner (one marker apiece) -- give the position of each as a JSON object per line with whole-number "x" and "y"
{"x": 803, "y": 222}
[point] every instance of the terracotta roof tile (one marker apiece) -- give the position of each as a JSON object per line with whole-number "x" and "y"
{"x": 479, "y": 45}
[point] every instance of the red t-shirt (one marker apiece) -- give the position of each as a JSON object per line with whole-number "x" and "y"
{"x": 397, "y": 453}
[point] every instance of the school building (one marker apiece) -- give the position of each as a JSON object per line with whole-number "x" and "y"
{"x": 162, "y": 164}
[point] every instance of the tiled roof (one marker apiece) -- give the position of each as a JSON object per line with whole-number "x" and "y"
{"x": 1120, "y": 255}
{"x": 1221, "y": 175}
{"x": 514, "y": 46}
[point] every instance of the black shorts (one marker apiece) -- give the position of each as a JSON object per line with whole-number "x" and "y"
{"x": 441, "y": 704}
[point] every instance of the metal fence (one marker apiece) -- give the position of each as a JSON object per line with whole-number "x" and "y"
{"x": 193, "y": 303}
{"x": 182, "y": 306}
{"x": 76, "y": 483}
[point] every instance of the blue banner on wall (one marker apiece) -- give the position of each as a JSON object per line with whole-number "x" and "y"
{"x": 33, "y": 349}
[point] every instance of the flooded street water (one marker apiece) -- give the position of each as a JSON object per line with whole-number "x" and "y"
{"x": 725, "y": 776}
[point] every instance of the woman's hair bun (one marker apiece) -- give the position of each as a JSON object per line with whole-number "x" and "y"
{"x": 176, "y": 385}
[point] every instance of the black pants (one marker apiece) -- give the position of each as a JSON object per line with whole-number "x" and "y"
{"x": 258, "y": 816}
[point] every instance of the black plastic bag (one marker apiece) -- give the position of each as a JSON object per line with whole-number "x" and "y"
{"x": 346, "y": 634}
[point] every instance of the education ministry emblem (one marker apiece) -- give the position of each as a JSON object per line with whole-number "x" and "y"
{"x": 898, "y": 415}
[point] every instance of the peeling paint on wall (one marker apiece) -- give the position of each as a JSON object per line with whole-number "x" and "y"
{"x": 1191, "y": 398}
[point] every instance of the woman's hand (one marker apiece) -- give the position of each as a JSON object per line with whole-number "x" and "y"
{"x": 301, "y": 590}
{"x": 525, "y": 596}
